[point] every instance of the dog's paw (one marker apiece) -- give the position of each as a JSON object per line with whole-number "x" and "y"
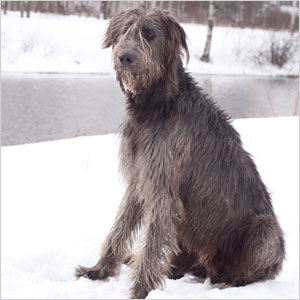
{"x": 87, "y": 273}
{"x": 94, "y": 273}
{"x": 138, "y": 292}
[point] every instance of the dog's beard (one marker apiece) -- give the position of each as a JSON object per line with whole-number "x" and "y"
{"x": 133, "y": 82}
{"x": 129, "y": 81}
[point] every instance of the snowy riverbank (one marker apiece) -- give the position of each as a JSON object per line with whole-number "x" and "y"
{"x": 54, "y": 43}
{"x": 60, "y": 198}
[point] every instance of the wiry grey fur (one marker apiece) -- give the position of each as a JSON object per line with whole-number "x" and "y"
{"x": 190, "y": 184}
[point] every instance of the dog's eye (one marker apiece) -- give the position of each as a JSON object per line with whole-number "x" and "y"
{"x": 127, "y": 26}
{"x": 125, "y": 29}
{"x": 148, "y": 34}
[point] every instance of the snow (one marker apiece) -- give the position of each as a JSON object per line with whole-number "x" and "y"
{"x": 59, "y": 200}
{"x": 54, "y": 43}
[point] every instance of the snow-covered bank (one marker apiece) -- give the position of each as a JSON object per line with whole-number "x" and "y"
{"x": 53, "y": 43}
{"x": 59, "y": 200}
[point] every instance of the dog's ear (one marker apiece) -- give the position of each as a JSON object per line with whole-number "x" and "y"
{"x": 113, "y": 30}
{"x": 176, "y": 37}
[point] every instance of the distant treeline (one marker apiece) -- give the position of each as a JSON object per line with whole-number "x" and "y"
{"x": 261, "y": 14}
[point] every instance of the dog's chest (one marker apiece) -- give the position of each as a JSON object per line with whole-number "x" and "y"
{"x": 144, "y": 150}
{"x": 155, "y": 155}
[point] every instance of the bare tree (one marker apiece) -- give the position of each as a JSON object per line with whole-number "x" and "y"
{"x": 5, "y": 7}
{"x": 22, "y": 8}
{"x": 240, "y": 14}
{"x": 211, "y": 20}
{"x": 293, "y": 18}
{"x": 27, "y": 3}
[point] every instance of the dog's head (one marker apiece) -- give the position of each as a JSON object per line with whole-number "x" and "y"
{"x": 145, "y": 43}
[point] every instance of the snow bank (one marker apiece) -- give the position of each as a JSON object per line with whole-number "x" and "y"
{"x": 53, "y": 43}
{"x": 59, "y": 200}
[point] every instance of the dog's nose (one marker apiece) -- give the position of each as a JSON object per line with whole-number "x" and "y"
{"x": 126, "y": 59}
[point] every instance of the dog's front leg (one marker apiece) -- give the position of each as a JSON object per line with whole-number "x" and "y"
{"x": 116, "y": 244}
{"x": 151, "y": 264}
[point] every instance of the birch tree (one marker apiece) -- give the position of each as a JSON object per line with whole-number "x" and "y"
{"x": 293, "y": 17}
{"x": 211, "y": 20}
{"x": 240, "y": 14}
{"x": 27, "y": 8}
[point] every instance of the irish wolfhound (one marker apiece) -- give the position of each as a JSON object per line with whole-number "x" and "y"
{"x": 191, "y": 187}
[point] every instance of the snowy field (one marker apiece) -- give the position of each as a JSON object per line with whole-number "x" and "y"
{"x": 54, "y": 43}
{"x": 59, "y": 200}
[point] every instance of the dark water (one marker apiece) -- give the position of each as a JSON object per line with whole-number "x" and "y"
{"x": 42, "y": 107}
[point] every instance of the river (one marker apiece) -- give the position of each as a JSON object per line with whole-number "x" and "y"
{"x": 43, "y": 107}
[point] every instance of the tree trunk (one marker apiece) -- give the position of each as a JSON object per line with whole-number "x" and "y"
{"x": 170, "y": 6}
{"x": 71, "y": 7}
{"x": 103, "y": 9}
{"x": 98, "y": 10}
{"x": 240, "y": 14}
{"x": 36, "y": 6}
{"x": 22, "y": 9}
{"x": 28, "y": 9}
{"x": 123, "y": 5}
{"x": 5, "y": 7}
{"x": 178, "y": 9}
{"x": 211, "y": 20}
{"x": 293, "y": 17}
{"x": 12, "y": 5}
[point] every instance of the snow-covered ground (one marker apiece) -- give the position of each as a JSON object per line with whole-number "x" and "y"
{"x": 53, "y": 43}
{"x": 59, "y": 200}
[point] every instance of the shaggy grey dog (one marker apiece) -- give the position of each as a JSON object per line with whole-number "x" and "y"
{"x": 192, "y": 187}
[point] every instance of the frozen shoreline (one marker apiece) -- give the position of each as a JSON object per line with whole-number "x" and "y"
{"x": 113, "y": 74}
{"x": 69, "y": 44}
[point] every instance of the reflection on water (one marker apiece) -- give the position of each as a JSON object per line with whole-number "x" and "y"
{"x": 41, "y": 107}
{"x": 248, "y": 97}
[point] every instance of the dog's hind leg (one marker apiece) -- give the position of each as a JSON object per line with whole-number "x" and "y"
{"x": 262, "y": 252}
{"x": 115, "y": 247}
{"x": 183, "y": 263}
